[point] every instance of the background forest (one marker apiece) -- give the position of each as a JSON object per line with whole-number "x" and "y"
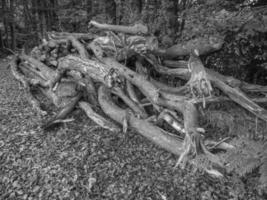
{"x": 241, "y": 23}
{"x": 139, "y": 170}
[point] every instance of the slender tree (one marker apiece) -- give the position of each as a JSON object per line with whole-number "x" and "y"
{"x": 12, "y": 25}
{"x": 1, "y": 35}
{"x": 5, "y": 11}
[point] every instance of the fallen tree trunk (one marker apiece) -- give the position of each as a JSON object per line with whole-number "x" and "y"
{"x": 135, "y": 29}
{"x": 158, "y": 136}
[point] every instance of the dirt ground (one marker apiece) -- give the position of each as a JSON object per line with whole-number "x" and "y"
{"x": 79, "y": 160}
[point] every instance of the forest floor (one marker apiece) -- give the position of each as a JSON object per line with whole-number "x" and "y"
{"x": 79, "y": 160}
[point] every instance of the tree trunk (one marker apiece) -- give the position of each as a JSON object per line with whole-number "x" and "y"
{"x": 1, "y": 40}
{"x": 53, "y": 15}
{"x": 48, "y": 16}
{"x": 28, "y": 16}
{"x": 118, "y": 11}
{"x": 36, "y": 17}
{"x": 89, "y": 8}
{"x": 4, "y": 11}
{"x": 12, "y": 25}
{"x": 139, "y": 6}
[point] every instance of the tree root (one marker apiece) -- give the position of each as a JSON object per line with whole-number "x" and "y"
{"x": 160, "y": 137}
{"x": 98, "y": 119}
{"x": 62, "y": 114}
{"x": 220, "y": 81}
{"x": 26, "y": 85}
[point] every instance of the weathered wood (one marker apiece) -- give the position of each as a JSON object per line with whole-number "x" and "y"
{"x": 131, "y": 92}
{"x": 147, "y": 88}
{"x": 100, "y": 70}
{"x": 138, "y": 110}
{"x": 218, "y": 99}
{"x": 221, "y": 81}
{"x": 182, "y": 73}
{"x": 77, "y": 45}
{"x": 31, "y": 75}
{"x": 239, "y": 97}
{"x": 62, "y": 114}
{"x": 161, "y": 138}
{"x": 84, "y": 54}
{"x": 169, "y": 89}
{"x": 31, "y": 99}
{"x": 135, "y": 29}
{"x": 44, "y": 71}
{"x": 185, "y": 75}
{"x": 204, "y": 45}
{"x": 64, "y": 35}
{"x": 97, "y": 118}
{"x": 172, "y": 120}
{"x": 175, "y": 63}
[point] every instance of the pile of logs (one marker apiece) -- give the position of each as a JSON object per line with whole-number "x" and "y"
{"x": 108, "y": 76}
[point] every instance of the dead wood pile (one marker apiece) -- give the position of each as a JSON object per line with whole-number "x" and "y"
{"x": 107, "y": 75}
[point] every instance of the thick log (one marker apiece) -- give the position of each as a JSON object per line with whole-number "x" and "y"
{"x": 159, "y": 137}
{"x": 96, "y": 70}
{"x": 135, "y": 29}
